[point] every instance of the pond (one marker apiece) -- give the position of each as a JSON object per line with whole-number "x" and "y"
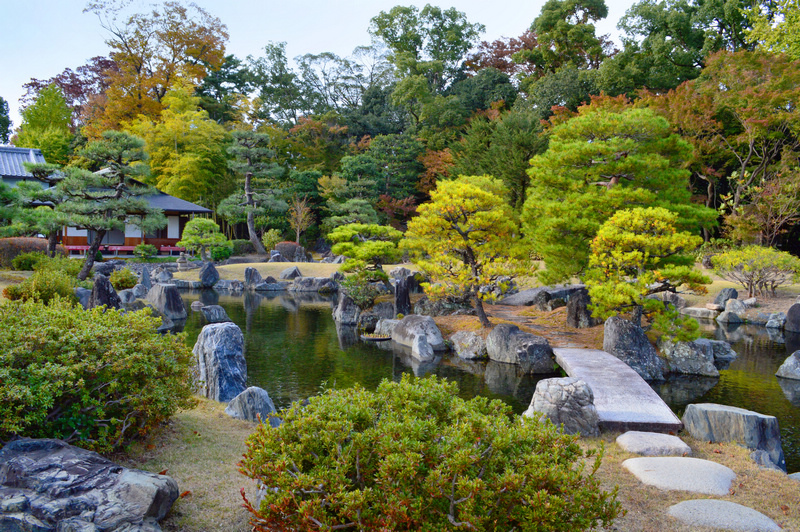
{"x": 294, "y": 350}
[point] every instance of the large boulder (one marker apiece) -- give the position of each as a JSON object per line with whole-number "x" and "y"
{"x": 221, "y": 366}
{"x": 568, "y": 402}
{"x": 167, "y": 300}
{"x": 368, "y": 319}
{"x": 578, "y": 314}
{"x": 251, "y": 277}
{"x": 251, "y": 404}
{"x": 385, "y": 327}
{"x": 790, "y": 369}
{"x": 50, "y": 485}
{"x": 162, "y": 275}
{"x": 412, "y": 326}
{"x": 83, "y": 295}
{"x": 507, "y": 344}
{"x": 421, "y": 349}
{"x": 290, "y": 274}
{"x": 469, "y": 345}
{"x": 346, "y": 311}
{"x": 701, "y": 313}
{"x": 103, "y": 294}
{"x": 214, "y": 313}
{"x": 208, "y": 275}
{"x": 792, "y": 323}
{"x": 445, "y": 306}
{"x": 722, "y": 351}
{"x": 720, "y": 423}
{"x": 534, "y": 296}
{"x": 725, "y": 294}
{"x": 688, "y": 358}
{"x": 628, "y": 342}
{"x": 322, "y": 285}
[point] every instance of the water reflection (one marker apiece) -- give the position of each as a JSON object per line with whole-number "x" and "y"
{"x": 294, "y": 350}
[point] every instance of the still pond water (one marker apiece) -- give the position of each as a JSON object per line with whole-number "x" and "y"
{"x": 294, "y": 351}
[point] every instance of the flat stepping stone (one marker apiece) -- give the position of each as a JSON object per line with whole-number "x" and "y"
{"x": 723, "y": 515}
{"x": 685, "y": 474}
{"x": 653, "y": 444}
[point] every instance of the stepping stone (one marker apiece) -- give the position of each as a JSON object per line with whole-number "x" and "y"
{"x": 653, "y": 444}
{"x": 723, "y": 515}
{"x": 685, "y": 474}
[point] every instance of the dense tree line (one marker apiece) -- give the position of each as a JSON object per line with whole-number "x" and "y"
{"x": 701, "y": 95}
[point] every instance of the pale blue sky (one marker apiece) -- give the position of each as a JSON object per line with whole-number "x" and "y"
{"x": 40, "y": 38}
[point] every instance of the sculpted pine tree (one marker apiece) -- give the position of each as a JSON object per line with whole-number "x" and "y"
{"x": 466, "y": 239}
{"x": 108, "y": 199}
{"x": 639, "y": 252}
{"x": 608, "y": 157}
{"x": 253, "y": 161}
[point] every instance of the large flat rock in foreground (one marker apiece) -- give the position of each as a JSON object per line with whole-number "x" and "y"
{"x": 624, "y": 401}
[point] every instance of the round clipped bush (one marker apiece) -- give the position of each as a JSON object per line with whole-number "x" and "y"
{"x": 145, "y": 251}
{"x": 221, "y": 253}
{"x": 25, "y": 262}
{"x": 43, "y": 286}
{"x": 415, "y": 456}
{"x": 123, "y": 279}
{"x": 95, "y": 378}
{"x": 271, "y": 238}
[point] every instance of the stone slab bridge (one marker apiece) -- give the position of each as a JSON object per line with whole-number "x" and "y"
{"x": 624, "y": 401}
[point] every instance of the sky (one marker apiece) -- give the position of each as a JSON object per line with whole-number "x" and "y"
{"x": 40, "y": 38}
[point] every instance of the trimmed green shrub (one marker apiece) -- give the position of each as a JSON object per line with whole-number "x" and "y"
{"x": 24, "y": 262}
{"x": 287, "y": 249}
{"x": 70, "y": 267}
{"x": 95, "y": 378}
{"x": 43, "y": 286}
{"x": 145, "y": 251}
{"x": 760, "y": 270}
{"x": 221, "y": 253}
{"x": 242, "y": 247}
{"x": 123, "y": 279}
{"x": 271, "y": 238}
{"x": 11, "y": 247}
{"x": 415, "y": 456}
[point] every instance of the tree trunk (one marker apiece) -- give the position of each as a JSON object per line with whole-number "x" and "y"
{"x": 485, "y": 323}
{"x": 90, "y": 255}
{"x": 52, "y": 242}
{"x": 251, "y": 216}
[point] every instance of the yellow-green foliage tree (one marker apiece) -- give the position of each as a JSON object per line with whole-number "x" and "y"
{"x": 466, "y": 239}
{"x": 202, "y": 234}
{"x": 761, "y": 270}
{"x": 187, "y": 149}
{"x": 639, "y": 252}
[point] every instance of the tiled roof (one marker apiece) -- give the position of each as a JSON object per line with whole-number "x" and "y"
{"x": 172, "y": 204}
{"x": 12, "y": 161}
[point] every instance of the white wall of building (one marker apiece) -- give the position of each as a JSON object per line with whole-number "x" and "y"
{"x": 173, "y": 227}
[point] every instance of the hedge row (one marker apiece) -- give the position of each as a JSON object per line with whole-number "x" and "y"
{"x": 11, "y": 247}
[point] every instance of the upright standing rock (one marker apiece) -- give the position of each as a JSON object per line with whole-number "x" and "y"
{"x": 167, "y": 300}
{"x": 103, "y": 294}
{"x": 724, "y": 295}
{"x": 578, "y": 314}
{"x": 402, "y": 299}
{"x": 251, "y": 404}
{"x": 144, "y": 278}
{"x": 213, "y": 313}
{"x": 792, "y": 319}
{"x": 628, "y": 342}
{"x": 208, "y": 275}
{"x": 507, "y": 344}
{"x": 346, "y": 312}
{"x": 221, "y": 366}
{"x": 251, "y": 278}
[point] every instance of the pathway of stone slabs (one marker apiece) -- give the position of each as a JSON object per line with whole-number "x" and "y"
{"x": 682, "y": 473}
{"x": 624, "y": 401}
